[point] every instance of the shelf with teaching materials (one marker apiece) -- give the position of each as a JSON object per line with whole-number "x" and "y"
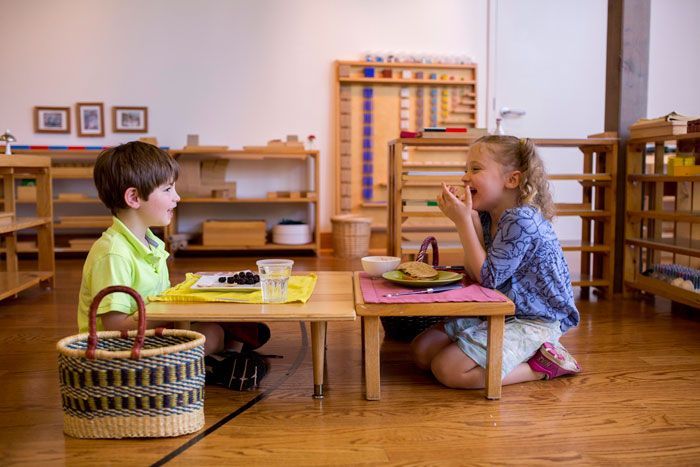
{"x": 13, "y": 279}
{"x": 414, "y": 185}
{"x": 256, "y": 172}
{"x": 79, "y": 216}
{"x": 662, "y": 217}
{"x": 374, "y": 101}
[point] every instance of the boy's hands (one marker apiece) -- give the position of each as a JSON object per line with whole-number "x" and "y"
{"x": 450, "y": 205}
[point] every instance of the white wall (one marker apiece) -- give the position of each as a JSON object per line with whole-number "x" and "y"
{"x": 236, "y": 72}
{"x": 674, "y": 62}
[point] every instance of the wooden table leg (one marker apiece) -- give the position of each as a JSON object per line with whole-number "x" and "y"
{"x": 318, "y": 344}
{"x": 494, "y": 357}
{"x": 371, "y": 335}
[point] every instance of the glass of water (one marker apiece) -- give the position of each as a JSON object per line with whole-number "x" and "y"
{"x": 274, "y": 279}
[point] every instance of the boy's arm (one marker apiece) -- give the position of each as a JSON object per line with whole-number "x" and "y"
{"x": 118, "y": 321}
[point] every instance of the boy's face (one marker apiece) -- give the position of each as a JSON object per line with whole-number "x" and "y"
{"x": 158, "y": 210}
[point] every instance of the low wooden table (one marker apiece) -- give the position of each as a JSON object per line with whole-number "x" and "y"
{"x": 332, "y": 300}
{"x": 371, "y": 312}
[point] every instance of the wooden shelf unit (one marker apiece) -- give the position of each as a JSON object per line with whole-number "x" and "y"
{"x": 398, "y": 103}
{"x": 71, "y": 164}
{"x": 596, "y": 209}
{"x": 662, "y": 215}
{"x": 311, "y": 201}
{"x": 13, "y": 280}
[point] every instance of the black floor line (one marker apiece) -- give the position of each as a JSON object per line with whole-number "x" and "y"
{"x": 263, "y": 395}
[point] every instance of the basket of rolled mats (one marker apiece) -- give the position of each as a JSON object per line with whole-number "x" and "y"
{"x": 405, "y": 328}
{"x": 142, "y": 383}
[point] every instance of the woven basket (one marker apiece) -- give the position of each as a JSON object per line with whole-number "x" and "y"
{"x": 405, "y": 328}
{"x": 351, "y": 235}
{"x": 118, "y": 384}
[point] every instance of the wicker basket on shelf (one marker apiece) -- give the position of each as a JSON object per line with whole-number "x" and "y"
{"x": 351, "y": 235}
{"x": 405, "y": 328}
{"x": 118, "y": 384}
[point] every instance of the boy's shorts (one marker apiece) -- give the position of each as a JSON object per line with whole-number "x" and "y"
{"x": 521, "y": 339}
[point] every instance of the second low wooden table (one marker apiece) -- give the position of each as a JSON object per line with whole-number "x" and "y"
{"x": 370, "y": 312}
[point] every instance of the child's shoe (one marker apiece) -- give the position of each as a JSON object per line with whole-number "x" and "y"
{"x": 252, "y": 335}
{"x": 241, "y": 371}
{"x": 553, "y": 362}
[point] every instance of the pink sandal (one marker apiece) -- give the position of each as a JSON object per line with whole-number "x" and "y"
{"x": 553, "y": 362}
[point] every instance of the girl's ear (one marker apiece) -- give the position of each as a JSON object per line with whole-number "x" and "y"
{"x": 513, "y": 179}
{"x": 131, "y": 198}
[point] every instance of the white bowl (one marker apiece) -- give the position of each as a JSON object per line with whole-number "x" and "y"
{"x": 377, "y": 265}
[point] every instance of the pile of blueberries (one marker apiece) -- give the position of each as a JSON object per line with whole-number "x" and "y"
{"x": 241, "y": 278}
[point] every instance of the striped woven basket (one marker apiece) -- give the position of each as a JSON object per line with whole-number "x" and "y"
{"x": 118, "y": 384}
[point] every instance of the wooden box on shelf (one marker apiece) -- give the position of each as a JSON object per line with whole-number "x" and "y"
{"x": 233, "y": 233}
{"x": 26, "y": 193}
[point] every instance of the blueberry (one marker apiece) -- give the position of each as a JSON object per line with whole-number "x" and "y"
{"x": 230, "y": 280}
{"x": 222, "y": 279}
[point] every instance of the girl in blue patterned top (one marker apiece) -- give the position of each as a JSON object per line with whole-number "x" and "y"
{"x": 503, "y": 220}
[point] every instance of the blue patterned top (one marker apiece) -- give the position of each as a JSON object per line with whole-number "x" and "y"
{"x": 526, "y": 263}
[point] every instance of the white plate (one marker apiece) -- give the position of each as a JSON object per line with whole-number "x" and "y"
{"x": 209, "y": 282}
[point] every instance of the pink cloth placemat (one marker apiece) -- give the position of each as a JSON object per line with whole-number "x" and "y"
{"x": 374, "y": 289}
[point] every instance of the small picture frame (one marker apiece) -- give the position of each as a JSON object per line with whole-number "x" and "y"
{"x": 51, "y": 119}
{"x": 91, "y": 120}
{"x": 130, "y": 119}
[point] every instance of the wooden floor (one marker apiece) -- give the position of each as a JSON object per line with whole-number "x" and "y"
{"x": 637, "y": 401}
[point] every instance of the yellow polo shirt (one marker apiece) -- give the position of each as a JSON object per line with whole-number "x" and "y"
{"x": 119, "y": 258}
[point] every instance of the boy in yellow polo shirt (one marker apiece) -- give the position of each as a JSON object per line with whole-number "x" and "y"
{"x": 136, "y": 181}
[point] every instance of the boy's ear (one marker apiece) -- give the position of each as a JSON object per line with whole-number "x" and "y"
{"x": 131, "y": 198}
{"x": 513, "y": 179}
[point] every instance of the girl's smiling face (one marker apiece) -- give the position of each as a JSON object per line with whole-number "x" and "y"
{"x": 485, "y": 178}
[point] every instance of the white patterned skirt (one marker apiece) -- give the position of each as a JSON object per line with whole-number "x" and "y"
{"x": 521, "y": 338}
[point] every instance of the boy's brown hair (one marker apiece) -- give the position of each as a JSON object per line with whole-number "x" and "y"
{"x": 135, "y": 164}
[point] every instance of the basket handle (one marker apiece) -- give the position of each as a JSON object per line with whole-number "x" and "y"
{"x": 92, "y": 325}
{"x": 424, "y": 250}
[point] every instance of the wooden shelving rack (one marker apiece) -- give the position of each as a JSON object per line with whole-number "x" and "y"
{"x": 267, "y": 155}
{"x": 662, "y": 216}
{"x": 13, "y": 280}
{"x": 399, "y": 102}
{"x": 412, "y": 184}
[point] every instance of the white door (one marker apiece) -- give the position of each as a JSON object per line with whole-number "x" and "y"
{"x": 548, "y": 59}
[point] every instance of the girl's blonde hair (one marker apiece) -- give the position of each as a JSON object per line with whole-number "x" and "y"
{"x": 521, "y": 154}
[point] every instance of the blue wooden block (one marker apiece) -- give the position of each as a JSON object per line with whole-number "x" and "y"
{"x": 367, "y": 193}
{"x": 366, "y": 143}
{"x": 367, "y": 156}
{"x": 367, "y": 93}
{"x": 369, "y": 72}
{"x": 367, "y": 130}
{"x": 367, "y": 169}
{"x": 367, "y": 106}
{"x": 367, "y": 118}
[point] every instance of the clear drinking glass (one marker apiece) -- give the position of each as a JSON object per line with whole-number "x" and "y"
{"x": 274, "y": 279}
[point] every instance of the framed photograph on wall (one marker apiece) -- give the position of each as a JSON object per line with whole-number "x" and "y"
{"x": 130, "y": 119}
{"x": 51, "y": 119}
{"x": 91, "y": 120}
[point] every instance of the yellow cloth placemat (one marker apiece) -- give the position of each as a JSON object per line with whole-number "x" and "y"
{"x": 300, "y": 290}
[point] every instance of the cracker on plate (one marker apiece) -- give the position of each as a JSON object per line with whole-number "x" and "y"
{"x": 418, "y": 270}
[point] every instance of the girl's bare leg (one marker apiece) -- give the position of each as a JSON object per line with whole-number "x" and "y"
{"x": 428, "y": 344}
{"x": 455, "y": 369}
